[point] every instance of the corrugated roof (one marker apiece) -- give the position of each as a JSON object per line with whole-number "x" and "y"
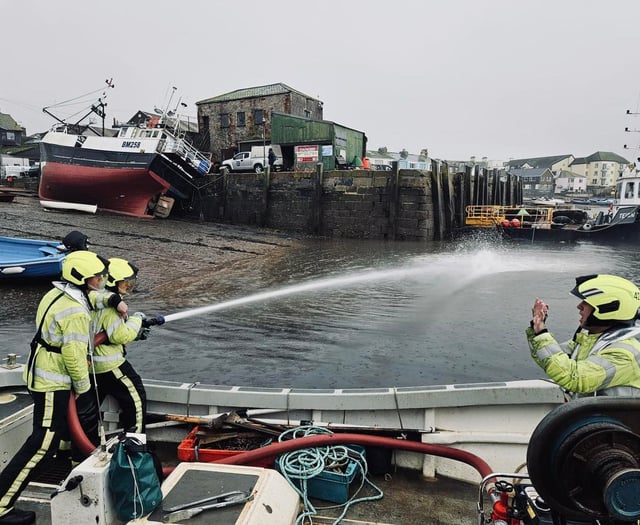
{"x": 7, "y": 122}
{"x": 254, "y": 92}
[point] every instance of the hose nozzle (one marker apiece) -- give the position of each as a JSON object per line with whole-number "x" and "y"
{"x": 153, "y": 321}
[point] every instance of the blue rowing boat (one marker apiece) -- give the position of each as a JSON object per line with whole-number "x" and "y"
{"x": 30, "y": 258}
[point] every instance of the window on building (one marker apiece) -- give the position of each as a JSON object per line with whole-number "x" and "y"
{"x": 241, "y": 120}
{"x": 206, "y": 141}
{"x": 258, "y": 116}
{"x": 307, "y": 113}
{"x": 11, "y": 136}
{"x": 225, "y": 121}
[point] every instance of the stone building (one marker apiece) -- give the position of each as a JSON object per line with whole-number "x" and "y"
{"x": 235, "y": 121}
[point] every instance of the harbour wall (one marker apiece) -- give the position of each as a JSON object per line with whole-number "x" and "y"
{"x": 400, "y": 204}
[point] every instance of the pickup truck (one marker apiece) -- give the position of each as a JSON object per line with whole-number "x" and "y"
{"x": 253, "y": 160}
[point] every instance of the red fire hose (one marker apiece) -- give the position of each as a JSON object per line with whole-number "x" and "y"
{"x": 77, "y": 433}
{"x": 325, "y": 440}
{"x": 275, "y": 449}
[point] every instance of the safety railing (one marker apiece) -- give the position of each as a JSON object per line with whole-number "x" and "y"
{"x": 186, "y": 152}
{"x": 488, "y": 215}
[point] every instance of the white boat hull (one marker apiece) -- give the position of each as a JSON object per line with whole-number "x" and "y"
{"x": 491, "y": 420}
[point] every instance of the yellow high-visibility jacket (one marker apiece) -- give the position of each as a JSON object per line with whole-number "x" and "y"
{"x": 119, "y": 332}
{"x": 591, "y": 364}
{"x": 61, "y": 363}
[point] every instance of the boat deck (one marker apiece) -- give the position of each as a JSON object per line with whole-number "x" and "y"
{"x": 409, "y": 499}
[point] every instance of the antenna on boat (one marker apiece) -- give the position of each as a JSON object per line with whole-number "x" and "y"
{"x": 95, "y": 108}
{"x": 166, "y": 111}
{"x": 628, "y": 130}
{"x": 177, "y": 115}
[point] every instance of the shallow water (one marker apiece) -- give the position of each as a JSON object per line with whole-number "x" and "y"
{"x": 346, "y": 314}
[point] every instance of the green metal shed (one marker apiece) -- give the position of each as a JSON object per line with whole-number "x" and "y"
{"x": 336, "y": 144}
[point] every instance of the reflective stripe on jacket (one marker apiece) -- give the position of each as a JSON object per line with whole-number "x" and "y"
{"x": 119, "y": 332}
{"x": 67, "y": 326}
{"x": 592, "y": 364}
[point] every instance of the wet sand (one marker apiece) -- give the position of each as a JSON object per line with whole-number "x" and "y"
{"x": 176, "y": 256}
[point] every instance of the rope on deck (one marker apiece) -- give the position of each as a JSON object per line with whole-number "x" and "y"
{"x": 299, "y": 466}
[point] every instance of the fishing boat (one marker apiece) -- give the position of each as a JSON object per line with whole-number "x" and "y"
{"x": 619, "y": 223}
{"x": 130, "y": 173}
{"x": 30, "y": 258}
{"x": 468, "y": 445}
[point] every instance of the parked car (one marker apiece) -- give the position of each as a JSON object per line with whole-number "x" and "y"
{"x": 253, "y": 160}
{"x": 17, "y": 172}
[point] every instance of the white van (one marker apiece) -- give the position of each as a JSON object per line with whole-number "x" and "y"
{"x": 254, "y": 160}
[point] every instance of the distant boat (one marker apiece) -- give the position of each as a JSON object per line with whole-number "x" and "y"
{"x": 547, "y": 201}
{"x": 620, "y": 223}
{"x": 29, "y": 258}
{"x": 125, "y": 174}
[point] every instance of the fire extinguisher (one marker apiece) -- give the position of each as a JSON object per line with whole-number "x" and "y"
{"x": 501, "y": 513}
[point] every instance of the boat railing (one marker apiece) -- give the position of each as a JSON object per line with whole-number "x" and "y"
{"x": 186, "y": 152}
{"x": 490, "y": 215}
{"x": 483, "y": 215}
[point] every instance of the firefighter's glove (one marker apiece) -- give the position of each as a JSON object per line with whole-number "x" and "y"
{"x": 143, "y": 333}
{"x": 144, "y": 330}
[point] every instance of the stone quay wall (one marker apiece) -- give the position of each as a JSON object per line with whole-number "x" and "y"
{"x": 349, "y": 204}
{"x": 401, "y": 204}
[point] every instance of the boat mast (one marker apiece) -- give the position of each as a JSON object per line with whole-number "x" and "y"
{"x": 98, "y": 108}
{"x": 166, "y": 111}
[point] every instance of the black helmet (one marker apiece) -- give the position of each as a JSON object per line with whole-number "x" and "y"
{"x": 75, "y": 240}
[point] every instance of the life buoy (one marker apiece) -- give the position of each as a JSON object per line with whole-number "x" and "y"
{"x": 587, "y": 226}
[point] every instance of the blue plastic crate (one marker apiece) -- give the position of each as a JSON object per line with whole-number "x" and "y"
{"x": 329, "y": 485}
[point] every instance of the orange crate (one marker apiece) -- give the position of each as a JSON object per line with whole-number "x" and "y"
{"x": 190, "y": 450}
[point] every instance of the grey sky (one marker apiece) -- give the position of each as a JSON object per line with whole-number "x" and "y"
{"x": 496, "y": 78}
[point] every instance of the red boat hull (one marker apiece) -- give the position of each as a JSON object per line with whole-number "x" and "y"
{"x": 123, "y": 190}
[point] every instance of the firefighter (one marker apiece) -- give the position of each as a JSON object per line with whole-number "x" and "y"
{"x": 114, "y": 375}
{"x": 57, "y": 364}
{"x": 604, "y": 355}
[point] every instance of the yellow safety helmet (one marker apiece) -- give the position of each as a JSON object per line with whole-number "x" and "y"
{"x": 613, "y": 298}
{"x": 120, "y": 270}
{"x": 81, "y": 265}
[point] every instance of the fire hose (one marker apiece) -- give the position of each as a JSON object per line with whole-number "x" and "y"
{"x": 78, "y": 434}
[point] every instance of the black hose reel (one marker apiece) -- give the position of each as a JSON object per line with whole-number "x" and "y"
{"x": 584, "y": 459}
